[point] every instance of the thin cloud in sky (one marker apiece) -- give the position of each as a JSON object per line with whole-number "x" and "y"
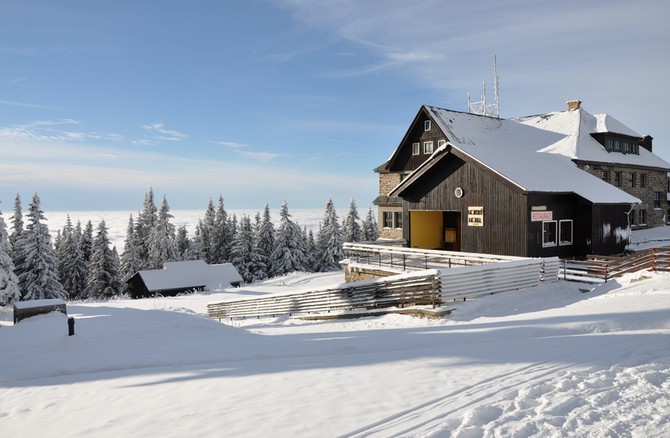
{"x": 231, "y": 144}
{"x": 162, "y": 133}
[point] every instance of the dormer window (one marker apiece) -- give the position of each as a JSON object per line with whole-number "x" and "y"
{"x": 621, "y": 145}
{"x": 426, "y": 125}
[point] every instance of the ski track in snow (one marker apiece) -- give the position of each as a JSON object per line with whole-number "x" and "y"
{"x": 501, "y": 398}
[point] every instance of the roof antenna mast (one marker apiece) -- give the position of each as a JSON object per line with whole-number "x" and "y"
{"x": 487, "y": 109}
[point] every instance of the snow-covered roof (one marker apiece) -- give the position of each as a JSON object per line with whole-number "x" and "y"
{"x": 39, "y": 303}
{"x": 191, "y": 273}
{"x": 576, "y": 126}
{"x": 513, "y": 150}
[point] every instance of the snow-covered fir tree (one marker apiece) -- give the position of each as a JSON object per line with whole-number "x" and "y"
{"x": 370, "y": 228}
{"x": 242, "y": 254}
{"x": 86, "y": 242}
{"x": 329, "y": 240}
{"x": 39, "y": 277}
{"x": 259, "y": 269}
{"x": 222, "y": 235}
{"x": 289, "y": 252}
{"x": 72, "y": 268}
{"x": 186, "y": 248}
{"x": 265, "y": 240}
{"x": 351, "y": 228}
{"x": 144, "y": 226}
{"x": 9, "y": 282}
{"x": 162, "y": 245}
{"x": 130, "y": 257}
{"x": 15, "y": 234}
{"x": 311, "y": 252}
{"x": 103, "y": 280}
{"x": 204, "y": 233}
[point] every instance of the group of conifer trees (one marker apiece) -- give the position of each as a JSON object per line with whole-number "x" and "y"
{"x": 81, "y": 264}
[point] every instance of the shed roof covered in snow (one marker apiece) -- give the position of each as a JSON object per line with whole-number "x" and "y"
{"x": 181, "y": 276}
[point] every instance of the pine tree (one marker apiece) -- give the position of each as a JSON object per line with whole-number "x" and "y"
{"x": 289, "y": 252}
{"x": 310, "y": 251}
{"x": 351, "y": 228}
{"x": 130, "y": 257}
{"x": 15, "y": 235}
{"x": 9, "y": 282}
{"x": 86, "y": 242}
{"x": 370, "y": 228}
{"x": 39, "y": 276}
{"x": 265, "y": 241}
{"x": 184, "y": 245}
{"x": 72, "y": 269}
{"x": 329, "y": 240}
{"x": 222, "y": 235}
{"x": 162, "y": 246}
{"x": 204, "y": 233}
{"x": 144, "y": 227}
{"x": 242, "y": 253}
{"x": 103, "y": 276}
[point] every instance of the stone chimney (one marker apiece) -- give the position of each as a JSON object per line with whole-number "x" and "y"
{"x": 574, "y": 105}
{"x": 646, "y": 142}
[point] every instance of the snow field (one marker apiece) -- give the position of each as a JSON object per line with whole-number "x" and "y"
{"x": 547, "y": 361}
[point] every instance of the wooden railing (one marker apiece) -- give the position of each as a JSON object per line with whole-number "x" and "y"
{"x": 406, "y": 259}
{"x": 600, "y": 269}
{"x": 419, "y": 288}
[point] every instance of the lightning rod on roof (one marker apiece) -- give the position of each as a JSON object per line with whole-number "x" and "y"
{"x": 482, "y": 107}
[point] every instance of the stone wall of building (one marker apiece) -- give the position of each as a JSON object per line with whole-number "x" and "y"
{"x": 631, "y": 181}
{"x": 387, "y": 182}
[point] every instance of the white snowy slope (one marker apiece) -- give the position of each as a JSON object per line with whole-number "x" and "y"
{"x": 547, "y": 361}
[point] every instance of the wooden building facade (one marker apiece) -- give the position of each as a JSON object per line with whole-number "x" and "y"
{"x": 475, "y": 193}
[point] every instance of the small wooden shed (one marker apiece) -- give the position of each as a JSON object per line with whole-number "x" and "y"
{"x": 184, "y": 276}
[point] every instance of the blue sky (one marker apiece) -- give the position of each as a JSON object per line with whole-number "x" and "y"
{"x": 297, "y": 100}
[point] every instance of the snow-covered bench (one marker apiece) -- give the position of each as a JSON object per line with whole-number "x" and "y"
{"x": 26, "y": 309}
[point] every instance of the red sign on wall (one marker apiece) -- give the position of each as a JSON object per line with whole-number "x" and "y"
{"x": 536, "y": 216}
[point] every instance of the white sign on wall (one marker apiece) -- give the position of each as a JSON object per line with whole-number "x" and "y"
{"x": 475, "y": 216}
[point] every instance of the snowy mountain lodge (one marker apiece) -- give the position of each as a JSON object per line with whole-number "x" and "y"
{"x": 180, "y": 277}
{"x": 564, "y": 184}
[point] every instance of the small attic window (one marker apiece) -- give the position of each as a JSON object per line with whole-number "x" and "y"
{"x": 622, "y": 145}
{"x": 426, "y": 125}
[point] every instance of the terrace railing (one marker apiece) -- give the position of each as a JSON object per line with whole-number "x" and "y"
{"x": 406, "y": 259}
{"x": 600, "y": 269}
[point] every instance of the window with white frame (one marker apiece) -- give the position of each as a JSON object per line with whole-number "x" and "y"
{"x": 416, "y": 148}
{"x": 548, "y": 233}
{"x": 426, "y": 125}
{"x": 441, "y": 143}
{"x": 427, "y": 147}
{"x": 397, "y": 219}
{"x": 565, "y": 232}
{"x": 387, "y": 219}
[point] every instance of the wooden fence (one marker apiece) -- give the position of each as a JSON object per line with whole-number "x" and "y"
{"x": 418, "y": 288}
{"x": 473, "y": 281}
{"x": 600, "y": 269}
